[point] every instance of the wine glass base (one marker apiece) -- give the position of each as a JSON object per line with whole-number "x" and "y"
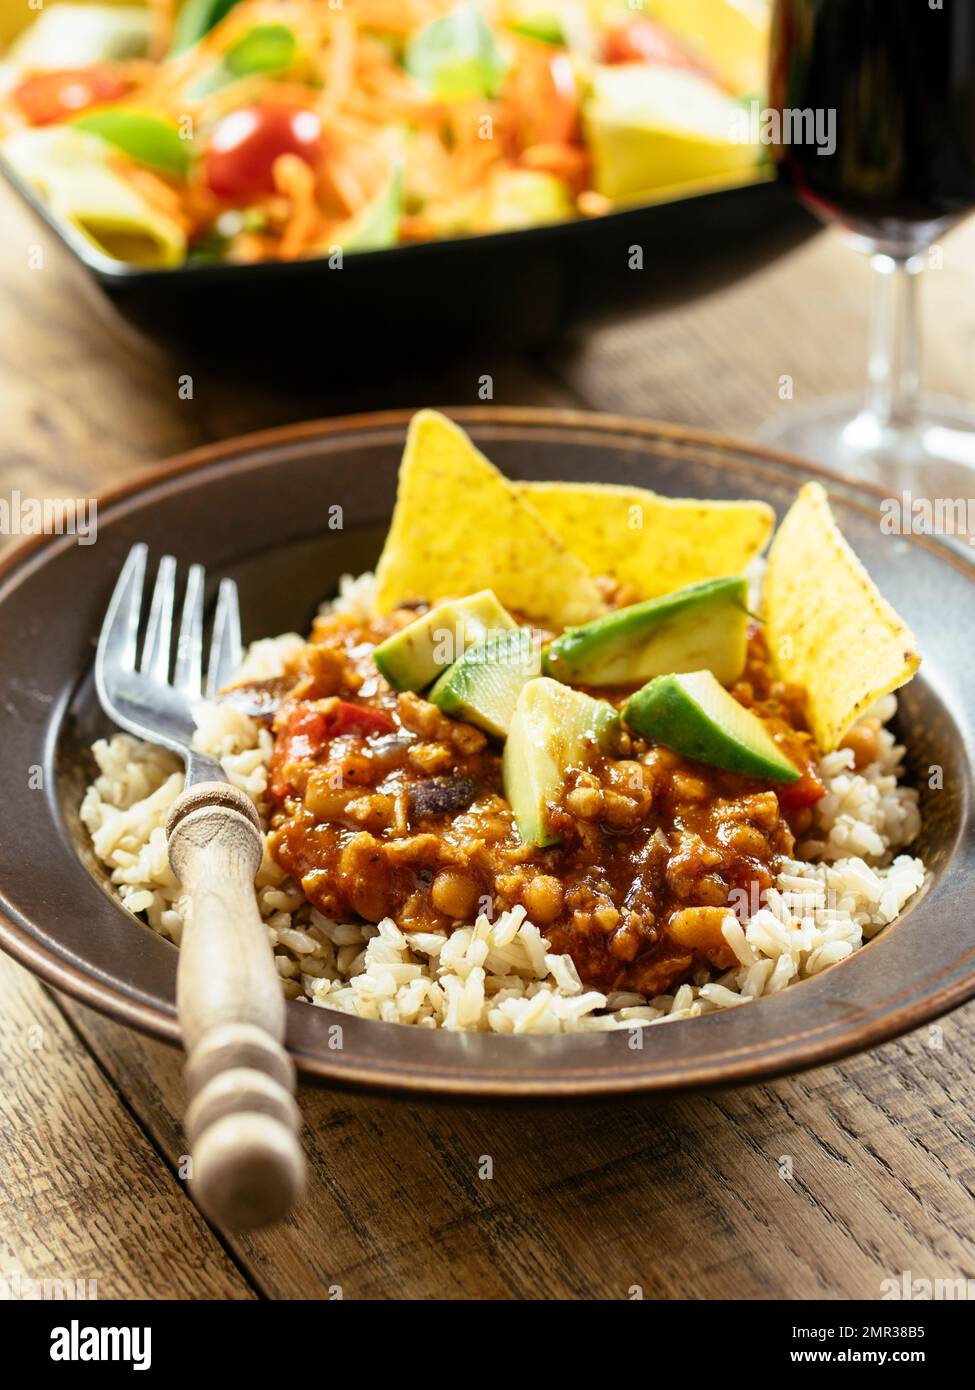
{"x": 935, "y": 456}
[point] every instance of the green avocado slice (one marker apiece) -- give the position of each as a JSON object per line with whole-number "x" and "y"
{"x": 704, "y": 625}
{"x": 553, "y": 730}
{"x": 423, "y": 650}
{"x": 696, "y": 716}
{"x": 482, "y": 687}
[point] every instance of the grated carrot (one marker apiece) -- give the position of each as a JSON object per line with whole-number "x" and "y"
{"x": 348, "y": 69}
{"x": 295, "y": 181}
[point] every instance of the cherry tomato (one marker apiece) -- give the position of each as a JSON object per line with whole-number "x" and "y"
{"x": 543, "y": 95}
{"x": 633, "y": 39}
{"x": 47, "y": 97}
{"x": 239, "y": 162}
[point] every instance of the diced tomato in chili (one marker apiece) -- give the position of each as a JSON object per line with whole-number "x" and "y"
{"x": 346, "y": 718}
{"x": 310, "y": 728}
{"x": 304, "y": 737}
{"x": 806, "y": 792}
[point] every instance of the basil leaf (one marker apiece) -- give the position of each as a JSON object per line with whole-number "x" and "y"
{"x": 266, "y": 48}
{"x": 146, "y": 139}
{"x": 457, "y": 56}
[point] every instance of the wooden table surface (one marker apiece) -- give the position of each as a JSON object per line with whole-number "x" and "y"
{"x": 685, "y": 1198}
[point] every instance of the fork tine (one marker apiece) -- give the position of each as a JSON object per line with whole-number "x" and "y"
{"x": 225, "y": 648}
{"x": 119, "y": 636}
{"x": 187, "y": 677}
{"x": 155, "y": 655}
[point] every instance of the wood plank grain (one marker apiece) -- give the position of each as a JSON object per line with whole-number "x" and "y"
{"x": 816, "y": 1186}
{"x": 717, "y": 360}
{"x": 84, "y": 1196}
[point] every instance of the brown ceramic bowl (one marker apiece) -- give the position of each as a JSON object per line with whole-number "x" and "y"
{"x": 255, "y": 509}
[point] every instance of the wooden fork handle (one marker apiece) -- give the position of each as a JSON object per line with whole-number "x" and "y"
{"x": 242, "y": 1122}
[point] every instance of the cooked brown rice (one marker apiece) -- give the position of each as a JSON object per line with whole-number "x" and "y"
{"x": 499, "y": 975}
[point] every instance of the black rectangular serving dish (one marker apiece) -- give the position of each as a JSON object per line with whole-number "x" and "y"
{"x": 436, "y": 300}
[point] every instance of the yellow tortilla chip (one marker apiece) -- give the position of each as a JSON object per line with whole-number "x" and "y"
{"x": 460, "y": 526}
{"x": 656, "y": 543}
{"x": 829, "y": 628}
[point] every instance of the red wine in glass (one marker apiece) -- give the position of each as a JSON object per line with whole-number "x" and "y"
{"x": 889, "y": 86}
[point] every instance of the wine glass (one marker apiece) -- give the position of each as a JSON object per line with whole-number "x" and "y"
{"x": 874, "y": 102}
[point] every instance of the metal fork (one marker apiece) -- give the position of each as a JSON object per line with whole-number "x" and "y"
{"x": 242, "y": 1121}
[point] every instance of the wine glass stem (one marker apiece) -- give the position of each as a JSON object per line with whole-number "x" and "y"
{"x": 893, "y": 368}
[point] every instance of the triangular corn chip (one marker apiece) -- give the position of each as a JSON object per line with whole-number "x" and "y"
{"x": 460, "y": 526}
{"x": 829, "y": 628}
{"x": 656, "y": 543}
